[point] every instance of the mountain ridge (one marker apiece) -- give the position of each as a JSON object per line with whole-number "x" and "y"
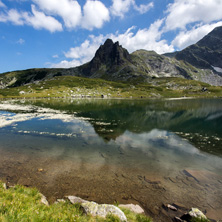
{"x": 201, "y": 61}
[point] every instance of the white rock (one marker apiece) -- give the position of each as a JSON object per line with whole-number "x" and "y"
{"x": 44, "y": 200}
{"x": 195, "y": 212}
{"x": 103, "y": 210}
{"x": 133, "y": 207}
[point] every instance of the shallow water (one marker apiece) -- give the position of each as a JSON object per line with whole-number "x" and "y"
{"x": 147, "y": 152}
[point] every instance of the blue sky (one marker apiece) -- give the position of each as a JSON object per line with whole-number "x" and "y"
{"x": 66, "y": 33}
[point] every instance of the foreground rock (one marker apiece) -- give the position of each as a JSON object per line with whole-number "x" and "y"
{"x": 103, "y": 210}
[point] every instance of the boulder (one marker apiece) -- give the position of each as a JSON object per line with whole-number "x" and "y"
{"x": 102, "y": 210}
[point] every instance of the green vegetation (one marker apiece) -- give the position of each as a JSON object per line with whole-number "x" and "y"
{"x": 24, "y": 204}
{"x": 71, "y": 86}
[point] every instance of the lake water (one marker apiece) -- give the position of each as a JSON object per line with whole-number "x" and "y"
{"x": 150, "y": 152}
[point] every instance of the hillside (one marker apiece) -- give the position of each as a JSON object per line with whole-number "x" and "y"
{"x": 201, "y": 62}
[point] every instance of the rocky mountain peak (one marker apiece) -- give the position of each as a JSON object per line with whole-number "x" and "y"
{"x": 109, "y": 54}
{"x": 206, "y": 53}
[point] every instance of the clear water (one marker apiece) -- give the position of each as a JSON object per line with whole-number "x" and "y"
{"x": 150, "y": 152}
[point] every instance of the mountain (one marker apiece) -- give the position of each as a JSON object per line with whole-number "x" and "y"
{"x": 201, "y": 61}
{"x": 205, "y": 54}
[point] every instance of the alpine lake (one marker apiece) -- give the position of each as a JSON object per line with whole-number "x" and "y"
{"x": 147, "y": 152}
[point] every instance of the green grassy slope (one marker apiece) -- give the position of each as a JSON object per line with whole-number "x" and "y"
{"x": 71, "y": 86}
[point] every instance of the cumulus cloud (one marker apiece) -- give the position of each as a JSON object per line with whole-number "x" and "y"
{"x": 149, "y": 39}
{"x": 36, "y": 19}
{"x": 120, "y": 7}
{"x": 66, "y": 64}
{"x": 69, "y": 10}
{"x": 95, "y": 14}
{"x": 41, "y": 21}
{"x": 12, "y": 16}
{"x": 183, "y": 12}
{"x": 186, "y": 38}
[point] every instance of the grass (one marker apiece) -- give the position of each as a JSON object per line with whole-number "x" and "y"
{"x": 72, "y": 86}
{"x": 24, "y": 204}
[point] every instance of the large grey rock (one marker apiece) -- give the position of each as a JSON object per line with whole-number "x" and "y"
{"x": 133, "y": 207}
{"x": 103, "y": 210}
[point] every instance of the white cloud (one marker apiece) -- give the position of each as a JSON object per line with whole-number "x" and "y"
{"x": 66, "y": 64}
{"x": 2, "y": 4}
{"x": 69, "y": 10}
{"x": 143, "y": 8}
{"x": 21, "y": 41}
{"x": 95, "y": 14}
{"x": 149, "y": 39}
{"x": 183, "y": 12}
{"x": 41, "y": 21}
{"x": 55, "y": 56}
{"x": 188, "y": 37}
{"x": 120, "y": 7}
{"x": 36, "y": 19}
{"x": 12, "y": 16}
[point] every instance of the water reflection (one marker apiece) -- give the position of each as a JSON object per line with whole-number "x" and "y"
{"x": 131, "y": 150}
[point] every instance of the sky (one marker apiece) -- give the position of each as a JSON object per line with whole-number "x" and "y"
{"x": 67, "y": 33}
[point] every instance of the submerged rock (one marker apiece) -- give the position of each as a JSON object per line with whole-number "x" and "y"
{"x": 103, "y": 210}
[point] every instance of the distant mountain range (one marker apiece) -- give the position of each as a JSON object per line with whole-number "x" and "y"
{"x": 201, "y": 61}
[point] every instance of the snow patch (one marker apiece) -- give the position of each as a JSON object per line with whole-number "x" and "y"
{"x": 217, "y": 69}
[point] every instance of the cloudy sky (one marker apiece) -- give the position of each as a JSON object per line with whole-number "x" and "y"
{"x": 66, "y": 33}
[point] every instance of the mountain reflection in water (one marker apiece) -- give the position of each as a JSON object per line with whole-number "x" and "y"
{"x": 124, "y": 150}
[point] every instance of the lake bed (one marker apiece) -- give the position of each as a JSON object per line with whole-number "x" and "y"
{"x": 150, "y": 152}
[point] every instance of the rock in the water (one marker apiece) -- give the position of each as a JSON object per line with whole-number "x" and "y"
{"x": 133, "y": 207}
{"x": 44, "y": 200}
{"x": 74, "y": 200}
{"x": 195, "y": 212}
{"x": 177, "y": 219}
{"x": 171, "y": 207}
{"x": 103, "y": 210}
